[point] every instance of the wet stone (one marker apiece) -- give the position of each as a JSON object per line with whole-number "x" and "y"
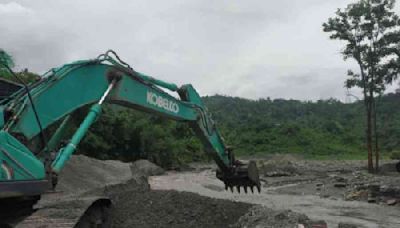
{"x": 319, "y": 224}
{"x": 391, "y": 202}
{"x": 339, "y": 179}
{"x": 340, "y": 185}
{"x": 347, "y": 225}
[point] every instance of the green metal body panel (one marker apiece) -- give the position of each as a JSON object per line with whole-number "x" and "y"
{"x": 1, "y": 117}
{"x": 65, "y": 89}
{"x": 18, "y": 160}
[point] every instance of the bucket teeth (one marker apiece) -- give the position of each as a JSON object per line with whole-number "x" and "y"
{"x": 245, "y": 188}
{"x": 241, "y": 176}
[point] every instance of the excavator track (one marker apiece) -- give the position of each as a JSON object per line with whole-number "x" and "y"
{"x": 60, "y": 211}
{"x": 12, "y": 209}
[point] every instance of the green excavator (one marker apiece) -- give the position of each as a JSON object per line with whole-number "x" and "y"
{"x": 32, "y": 156}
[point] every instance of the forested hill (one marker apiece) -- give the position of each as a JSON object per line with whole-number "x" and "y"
{"x": 326, "y": 127}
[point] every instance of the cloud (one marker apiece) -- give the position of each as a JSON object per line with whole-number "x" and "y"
{"x": 13, "y": 8}
{"x": 249, "y": 48}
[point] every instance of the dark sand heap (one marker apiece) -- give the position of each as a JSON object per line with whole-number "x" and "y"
{"x": 136, "y": 205}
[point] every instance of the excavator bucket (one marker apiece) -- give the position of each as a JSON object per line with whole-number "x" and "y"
{"x": 241, "y": 175}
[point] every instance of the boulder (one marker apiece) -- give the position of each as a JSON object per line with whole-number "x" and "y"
{"x": 146, "y": 168}
{"x": 340, "y": 185}
{"x": 391, "y": 202}
{"x": 347, "y": 225}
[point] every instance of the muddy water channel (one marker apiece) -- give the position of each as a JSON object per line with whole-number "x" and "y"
{"x": 312, "y": 192}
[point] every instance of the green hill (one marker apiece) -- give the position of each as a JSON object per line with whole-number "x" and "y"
{"x": 326, "y": 128}
{"x": 323, "y": 129}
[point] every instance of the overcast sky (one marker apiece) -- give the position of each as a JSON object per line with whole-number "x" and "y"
{"x": 252, "y": 49}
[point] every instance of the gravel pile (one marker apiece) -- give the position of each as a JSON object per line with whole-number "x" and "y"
{"x": 83, "y": 173}
{"x": 260, "y": 216}
{"x": 136, "y": 205}
{"x": 144, "y": 208}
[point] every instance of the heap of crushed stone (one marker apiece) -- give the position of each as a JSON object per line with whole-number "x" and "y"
{"x": 259, "y": 216}
{"x": 83, "y": 173}
{"x": 136, "y": 205}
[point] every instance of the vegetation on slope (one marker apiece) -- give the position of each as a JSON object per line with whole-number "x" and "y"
{"x": 313, "y": 129}
{"x": 322, "y": 129}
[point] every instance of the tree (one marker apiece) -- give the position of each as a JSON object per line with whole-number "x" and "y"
{"x": 370, "y": 30}
{"x": 5, "y": 60}
{"x": 7, "y": 63}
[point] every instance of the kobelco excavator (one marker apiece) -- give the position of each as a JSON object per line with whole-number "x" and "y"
{"x": 31, "y": 157}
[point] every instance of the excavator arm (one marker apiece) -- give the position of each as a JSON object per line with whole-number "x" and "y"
{"x": 26, "y": 115}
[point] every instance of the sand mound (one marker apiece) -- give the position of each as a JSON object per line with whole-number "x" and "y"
{"x": 83, "y": 174}
{"x": 136, "y": 205}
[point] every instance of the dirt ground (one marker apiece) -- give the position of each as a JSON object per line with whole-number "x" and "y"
{"x": 296, "y": 193}
{"x": 136, "y": 204}
{"x": 338, "y": 192}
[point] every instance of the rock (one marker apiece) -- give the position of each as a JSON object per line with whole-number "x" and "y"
{"x": 278, "y": 167}
{"x": 146, "y": 168}
{"x": 387, "y": 168}
{"x": 339, "y": 179}
{"x": 319, "y": 184}
{"x": 391, "y": 202}
{"x": 277, "y": 174}
{"x": 389, "y": 191}
{"x": 373, "y": 193}
{"x": 384, "y": 188}
{"x": 340, "y": 185}
{"x": 260, "y": 216}
{"x": 347, "y": 225}
{"x": 214, "y": 187}
{"x": 319, "y": 224}
{"x": 356, "y": 195}
{"x": 374, "y": 189}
